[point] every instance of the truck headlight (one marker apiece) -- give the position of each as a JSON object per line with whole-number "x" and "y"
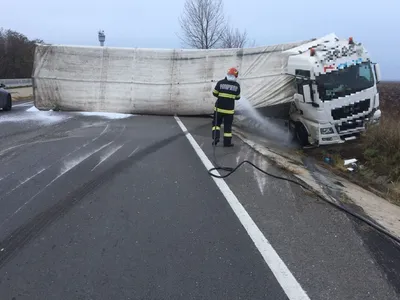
{"x": 328, "y": 130}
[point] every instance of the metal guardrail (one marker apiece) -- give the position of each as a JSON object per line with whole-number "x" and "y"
{"x": 18, "y": 82}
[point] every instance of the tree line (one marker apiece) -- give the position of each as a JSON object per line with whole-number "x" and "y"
{"x": 16, "y": 54}
{"x": 203, "y": 26}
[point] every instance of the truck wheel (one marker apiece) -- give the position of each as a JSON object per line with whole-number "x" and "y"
{"x": 9, "y": 103}
{"x": 301, "y": 134}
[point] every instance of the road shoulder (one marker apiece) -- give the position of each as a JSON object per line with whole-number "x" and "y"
{"x": 329, "y": 185}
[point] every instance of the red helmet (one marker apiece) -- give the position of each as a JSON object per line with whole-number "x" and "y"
{"x": 233, "y": 71}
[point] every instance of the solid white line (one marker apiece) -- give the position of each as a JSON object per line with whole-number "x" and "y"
{"x": 285, "y": 278}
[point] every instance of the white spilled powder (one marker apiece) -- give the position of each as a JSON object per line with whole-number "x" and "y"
{"x": 107, "y": 155}
{"x": 113, "y": 116}
{"x": 21, "y": 183}
{"x": 34, "y": 115}
{"x": 33, "y": 109}
{"x": 261, "y": 179}
{"x": 134, "y": 151}
{"x": 68, "y": 165}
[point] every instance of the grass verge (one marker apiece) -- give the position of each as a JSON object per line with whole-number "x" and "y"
{"x": 377, "y": 152}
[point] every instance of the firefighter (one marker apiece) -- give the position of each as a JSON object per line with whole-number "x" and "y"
{"x": 227, "y": 92}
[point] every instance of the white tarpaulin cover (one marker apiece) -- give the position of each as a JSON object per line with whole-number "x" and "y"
{"x": 155, "y": 81}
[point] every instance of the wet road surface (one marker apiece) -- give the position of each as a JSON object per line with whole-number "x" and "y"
{"x": 106, "y": 207}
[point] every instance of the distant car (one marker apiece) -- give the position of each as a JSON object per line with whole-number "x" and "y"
{"x": 5, "y": 98}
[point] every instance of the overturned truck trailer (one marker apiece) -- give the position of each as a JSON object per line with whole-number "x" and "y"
{"x": 325, "y": 87}
{"x": 155, "y": 81}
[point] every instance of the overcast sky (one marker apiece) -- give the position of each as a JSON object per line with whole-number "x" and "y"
{"x": 154, "y": 23}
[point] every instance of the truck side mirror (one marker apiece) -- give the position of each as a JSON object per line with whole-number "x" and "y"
{"x": 307, "y": 93}
{"x": 377, "y": 73}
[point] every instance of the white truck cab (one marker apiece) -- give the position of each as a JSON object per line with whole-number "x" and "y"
{"x": 336, "y": 97}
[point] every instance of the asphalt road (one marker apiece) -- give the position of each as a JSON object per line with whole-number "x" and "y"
{"x": 103, "y": 208}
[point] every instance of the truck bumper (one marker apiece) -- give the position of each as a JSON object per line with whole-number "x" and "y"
{"x": 328, "y": 134}
{"x": 341, "y": 136}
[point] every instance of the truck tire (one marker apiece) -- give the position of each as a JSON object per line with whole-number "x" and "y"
{"x": 301, "y": 134}
{"x": 8, "y": 104}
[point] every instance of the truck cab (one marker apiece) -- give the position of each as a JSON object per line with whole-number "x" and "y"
{"x": 336, "y": 94}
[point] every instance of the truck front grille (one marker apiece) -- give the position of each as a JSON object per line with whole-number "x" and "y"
{"x": 350, "y": 110}
{"x": 349, "y": 125}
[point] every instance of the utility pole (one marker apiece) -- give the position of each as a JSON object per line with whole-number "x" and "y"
{"x": 102, "y": 37}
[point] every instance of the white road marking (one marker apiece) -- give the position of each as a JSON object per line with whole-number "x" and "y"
{"x": 107, "y": 155}
{"x": 285, "y": 278}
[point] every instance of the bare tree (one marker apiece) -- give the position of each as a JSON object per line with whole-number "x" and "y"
{"x": 252, "y": 43}
{"x": 203, "y": 23}
{"x": 233, "y": 38}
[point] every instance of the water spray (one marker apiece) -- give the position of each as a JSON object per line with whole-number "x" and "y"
{"x": 265, "y": 127}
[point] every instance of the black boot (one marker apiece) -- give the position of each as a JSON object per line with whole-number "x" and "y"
{"x": 228, "y": 145}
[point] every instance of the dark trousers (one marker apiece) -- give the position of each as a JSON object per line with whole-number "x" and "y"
{"x": 217, "y": 121}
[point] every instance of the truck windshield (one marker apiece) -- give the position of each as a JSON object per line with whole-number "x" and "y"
{"x": 345, "y": 81}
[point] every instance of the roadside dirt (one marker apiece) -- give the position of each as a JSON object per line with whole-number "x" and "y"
{"x": 23, "y": 93}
